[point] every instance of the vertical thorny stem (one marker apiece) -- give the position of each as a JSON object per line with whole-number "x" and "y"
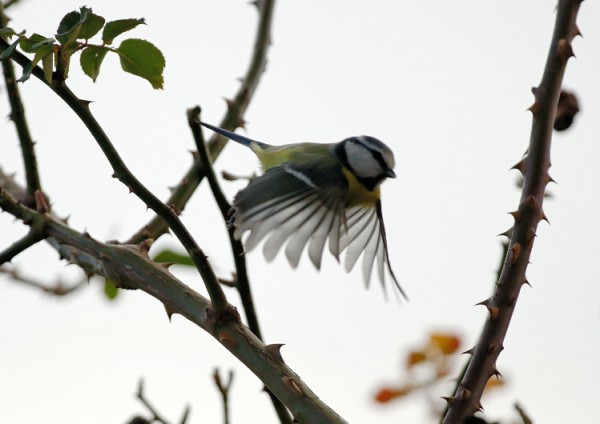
{"x": 534, "y": 166}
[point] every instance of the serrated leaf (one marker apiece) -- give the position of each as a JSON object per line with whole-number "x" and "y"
{"x": 92, "y": 25}
{"x": 142, "y": 58}
{"x": 69, "y": 27}
{"x": 91, "y": 59}
{"x": 110, "y": 290}
{"x": 9, "y": 50}
{"x": 115, "y": 28}
{"x": 170, "y": 256}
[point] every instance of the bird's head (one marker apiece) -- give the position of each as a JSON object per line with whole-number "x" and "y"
{"x": 368, "y": 158}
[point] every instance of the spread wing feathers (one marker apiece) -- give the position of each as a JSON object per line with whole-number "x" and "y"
{"x": 288, "y": 204}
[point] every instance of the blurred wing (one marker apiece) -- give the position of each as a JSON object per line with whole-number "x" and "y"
{"x": 366, "y": 235}
{"x": 289, "y": 203}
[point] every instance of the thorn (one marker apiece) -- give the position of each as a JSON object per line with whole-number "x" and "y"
{"x": 544, "y": 217}
{"x": 172, "y": 189}
{"x": 166, "y": 265}
{"x": 564, "y": 49}
{"x": 145, "y": 246}
{"x": 496, "y": 373}
{"x": 479, "y": 407}
{"x": 507, "y": 233}
{"x": 493, "y": 310}
{"x": 520, "y": 166}
{"x": 226, "y": 339}
{"x": 195, "y": 154}
{"x": 531, "y": 202}
{"x": 464, "y": 394}
{"x": 449, "y": 399}
{"x": 41, "y": 204}
{"x": 527, "y": 282}
{"x": 275, "y": 351}
{"x": 170, "y": 311}
{"x": 291, "y": 384}
{"x": 87, "y": 235}
{"x": 229, "y": 102}
{"x": 534, "y": 108}
{"x": 549, "y": 179}
{"x": 516, "y": 252}
{"x": 577, "y": 31}
{"x": 516, "y": 215}
{"x": 530, "y": 236}
{"x": 468, "y": 352}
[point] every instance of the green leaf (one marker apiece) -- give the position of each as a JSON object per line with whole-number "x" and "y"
{"x": 31, "y": 44}
{"x": 70, "y": 26}
{"x": 91, "y": 59}
{"x": 42, "y": 50}
{"x": 9, "y": 50}
{"x": 142, "y": 58}
{"x": 110, "y": 290}
{"x": 172, "y": 257}
{"x": 7, "y": 32}
{"x": 91, "y": 26}
{"x": 115, "y": 28}
{"x": 48, "y": 66}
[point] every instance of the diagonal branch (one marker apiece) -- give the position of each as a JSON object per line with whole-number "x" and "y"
{"x": 129, "y": 267}
{"x": 233, "y": 118}
{"x": 535, "y": 166}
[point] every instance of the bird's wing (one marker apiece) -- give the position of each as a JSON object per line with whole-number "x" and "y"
{"x": 366, "y": 235}
{"x": 306, "y": 207}
{"x": 294, "y": 204}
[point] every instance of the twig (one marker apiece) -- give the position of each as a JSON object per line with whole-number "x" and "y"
{"x": 242, "y": 280}
{"x": 523, "y": 414}
{"x": 501, "y": 305}
{"x": 10, "y": 3}
{"x": 142, "y": 398}
{"x": 58, "y": 289}
{"x": 224, "y": 390}
{"x": 130, "y": 267}
{"x": 17, "y": 115}
{"x": 31, "y": 238}
{"x": 182, "y": 192}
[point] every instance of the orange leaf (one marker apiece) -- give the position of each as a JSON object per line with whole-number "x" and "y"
{"x": 446, "y": 342}
{"x": 386, "y": 394}
{"x": 415, "y": 357}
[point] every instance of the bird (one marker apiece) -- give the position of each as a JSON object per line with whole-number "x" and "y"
{"x": 313, "y": 193}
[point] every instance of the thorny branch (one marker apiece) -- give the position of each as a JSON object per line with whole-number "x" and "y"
{"x": 129, "y": 267}
{"x": 534, "y": 167}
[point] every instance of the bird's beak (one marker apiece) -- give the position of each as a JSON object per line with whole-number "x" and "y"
{"x": 391, "y": 174}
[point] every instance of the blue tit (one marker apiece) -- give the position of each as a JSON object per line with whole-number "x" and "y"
{"x": 311, "y": 193}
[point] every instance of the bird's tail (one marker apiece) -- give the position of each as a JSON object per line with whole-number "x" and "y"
{"x": 248, "y": 142}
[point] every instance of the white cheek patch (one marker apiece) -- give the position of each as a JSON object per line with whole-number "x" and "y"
{"x": 362, "y": 161}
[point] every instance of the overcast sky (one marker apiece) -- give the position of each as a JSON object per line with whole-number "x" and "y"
{"x": 445, "y": 84}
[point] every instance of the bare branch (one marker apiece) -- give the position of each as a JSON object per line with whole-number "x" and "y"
{"x": 57, "y": 289}
{"x": 31, "y": 238}
{"x": 224, "y": 391}
{"x": 467, "y": 398}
